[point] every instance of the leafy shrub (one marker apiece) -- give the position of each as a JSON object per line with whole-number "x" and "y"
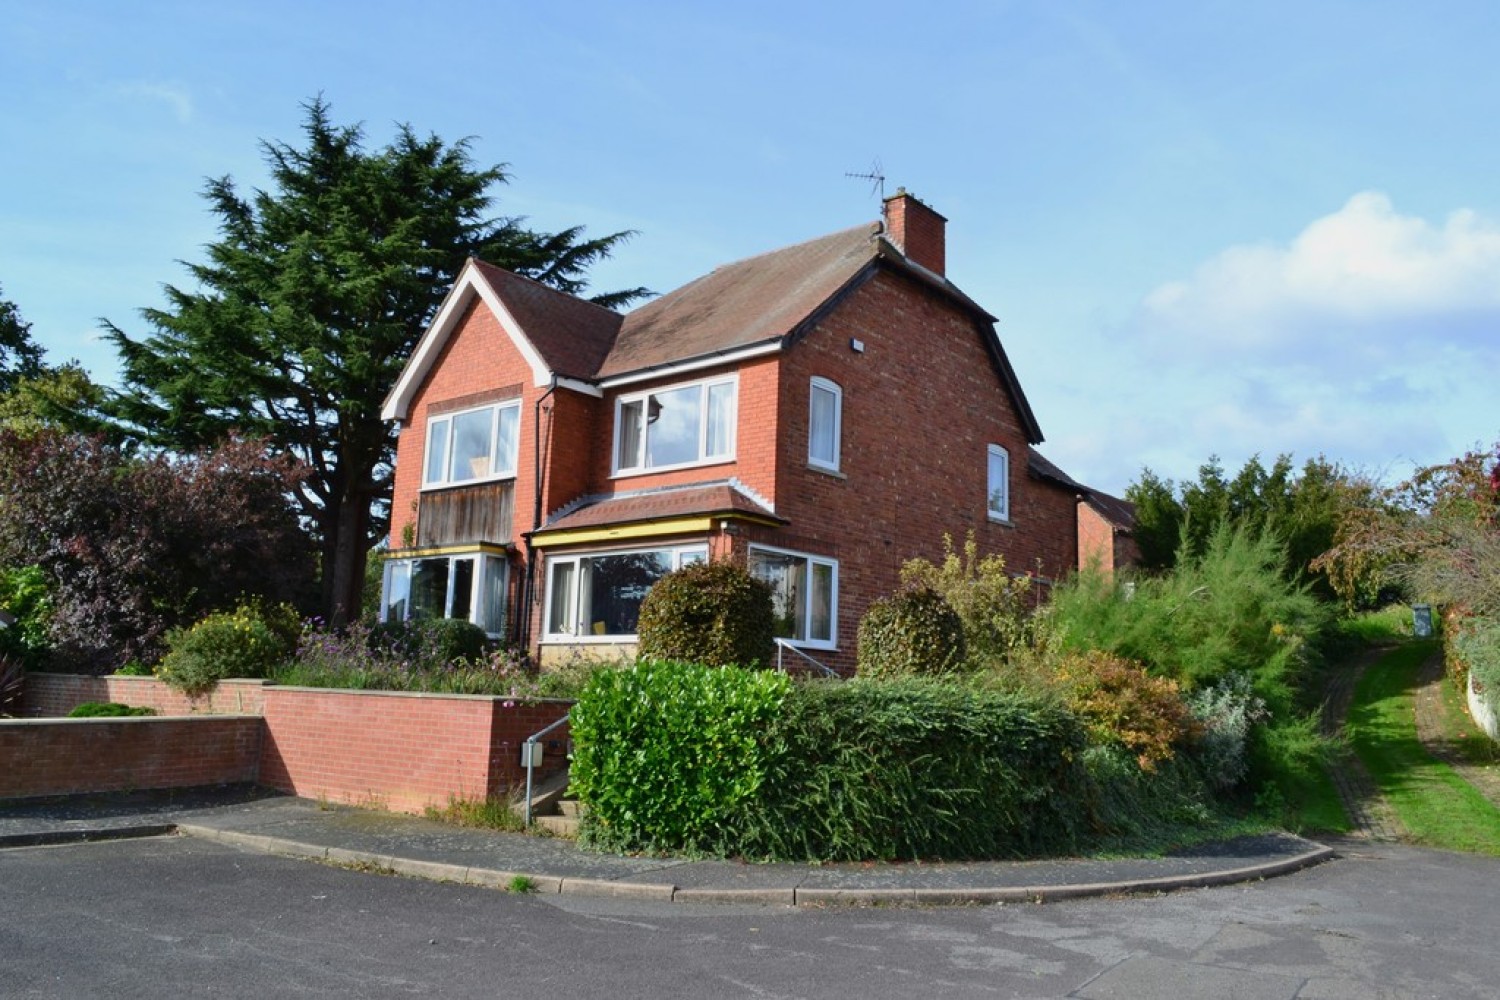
{"x": 995, "y": 606}
{"x": 668, "y": 754}
{"x": 1134, "y": 808}
{"x": 715, "y": 613}
{"x": 135, "y": 668}
{"x": 432, "y": 642}
{"x": 362, "y": 657}
{"x": 1124, "y": 706}
{"x": 1477, "y": 643}
{"x": 915, "y": 768}
{"x": 133, "y": 545}
{"x": 1227, "y": 710}
{"x": 1228, "y": 611}
{"x": 237, "y": 643}
{"x": 912, "y": 633}
{"x": 108, "y": 710}
{"x": 23, "y": 594}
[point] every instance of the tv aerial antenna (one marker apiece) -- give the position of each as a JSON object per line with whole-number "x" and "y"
{"x": 876, "y": 177}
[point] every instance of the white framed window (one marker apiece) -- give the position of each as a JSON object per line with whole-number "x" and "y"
{"x": 597, "y": 595}
{"x": 675, "y": 427}
{"x": 471, "y": 445}
{"x": 805, "y": 594}
{"x": 998, "y": 493}
{"x": 471, "y": 587}
{"x": 824, "y": 423}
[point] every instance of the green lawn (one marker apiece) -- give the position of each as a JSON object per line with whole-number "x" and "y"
{"x": 1437, "y": 806}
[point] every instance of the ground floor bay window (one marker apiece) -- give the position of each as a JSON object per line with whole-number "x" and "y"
{"x": 805, "y": 592}
{"x": 597, "y": 595}
{"x": 470, "y": 586}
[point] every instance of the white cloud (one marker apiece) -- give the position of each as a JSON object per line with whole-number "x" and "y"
{"x": 1372, "y": 337}
{"x": 175, "y": 96}
{"x": 1365, "y": 278}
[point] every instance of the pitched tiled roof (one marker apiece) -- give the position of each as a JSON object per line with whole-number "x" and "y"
{"x": 749, "y": 302}
{"x": 1120, "y": 513}
{"x": 696, "y": 500}
{"x": 573, "y": 335}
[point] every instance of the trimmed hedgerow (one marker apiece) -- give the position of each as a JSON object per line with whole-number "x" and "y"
{"x": 667, "y": 754}
{"x": 913, "y": 769}
{"x": 913, "y": 633}
{"x": 682, "y": 757}
{"x": 715, "y": 613}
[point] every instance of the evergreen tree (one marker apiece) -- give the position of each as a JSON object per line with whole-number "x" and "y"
{"x": 20, "y": 356}
{"x": 310, "y": 302}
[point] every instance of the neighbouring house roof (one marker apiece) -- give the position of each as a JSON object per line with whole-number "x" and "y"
{"x": 1119, "y": 513}
{"x": 716, "y": 499}
{"x": 761, "y": 303}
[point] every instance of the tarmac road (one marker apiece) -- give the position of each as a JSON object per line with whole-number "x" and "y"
{"x": 173, "y": 917}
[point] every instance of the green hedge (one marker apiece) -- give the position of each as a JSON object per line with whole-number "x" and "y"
{"x": 666, "y": 754}
{"x": 914, "y": 769}
{"x": 678, "y": 757}
{"x": 107, "y": 710}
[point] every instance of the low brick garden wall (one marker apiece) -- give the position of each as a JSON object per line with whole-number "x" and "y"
{"x": 68, "y": 756}
{"x": 393, "y": 750}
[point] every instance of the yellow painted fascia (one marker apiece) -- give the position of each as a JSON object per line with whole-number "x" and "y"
{"x": 621, "y": 532}
{"x": 487, "y": 548}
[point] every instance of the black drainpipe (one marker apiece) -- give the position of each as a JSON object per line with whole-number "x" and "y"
{"x": 528, "y": 585}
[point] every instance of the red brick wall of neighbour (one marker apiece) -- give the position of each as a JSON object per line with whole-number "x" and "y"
{"x": 67, "y": 756}
{"x": 59, "y": 694}
{"x": 397, "y": 751}
{"x": 921, "y": 404}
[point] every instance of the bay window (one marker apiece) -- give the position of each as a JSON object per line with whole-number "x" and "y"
{"x": 804, "y": 594}
{"x": 677, "y": 426}
{"x": 469, "y": 587}
{"x": 598, "y": 595}
{"x": 471, "y": 445}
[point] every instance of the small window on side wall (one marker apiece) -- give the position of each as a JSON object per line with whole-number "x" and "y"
{"x": 999, "y": 484}
{"x": 824, "y": 424}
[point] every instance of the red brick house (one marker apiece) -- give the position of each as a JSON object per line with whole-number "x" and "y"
{"x": 823, "y": 412}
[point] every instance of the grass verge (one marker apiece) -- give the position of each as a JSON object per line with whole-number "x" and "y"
{"x": 1435, "y": 804}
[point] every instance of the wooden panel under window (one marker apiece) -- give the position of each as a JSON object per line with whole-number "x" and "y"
{"x": 481, "y": 513}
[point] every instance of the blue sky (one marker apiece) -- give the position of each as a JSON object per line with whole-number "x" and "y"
{"x": 1206, "y": 227}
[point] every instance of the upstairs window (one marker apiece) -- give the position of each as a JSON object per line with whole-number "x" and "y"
{"x": 471, "y": 445}
{"x": 824, "y": 417}
{"x": 999, "y": 483}
{"x": 670, "y": 428}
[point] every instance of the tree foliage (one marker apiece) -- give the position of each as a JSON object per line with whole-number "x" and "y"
{"x": 20, "y": 356}
{"x": 1438, "y": 533}
{"x": 311, "y": 300}
{"x": 1301, "y": 510}
{"x": 133, "y": 546}
{"x": 62, "y": 398}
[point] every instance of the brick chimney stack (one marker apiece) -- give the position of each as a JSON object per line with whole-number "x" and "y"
{"x": 917, "y": 231}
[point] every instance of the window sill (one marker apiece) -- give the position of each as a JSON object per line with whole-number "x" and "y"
{"x": 1003, "y": 522}
{"x": 825, "y": 470}
{"x": 655, "y": 469}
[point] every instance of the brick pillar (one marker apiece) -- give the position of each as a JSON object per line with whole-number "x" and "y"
{"x": 917, "y": 231}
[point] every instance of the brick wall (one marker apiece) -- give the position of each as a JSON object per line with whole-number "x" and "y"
{"x": 396, "y": 750}
{"x": 68, "y": 756}
{"x": 921, "y": 404}
{"x": 58, "y": 694}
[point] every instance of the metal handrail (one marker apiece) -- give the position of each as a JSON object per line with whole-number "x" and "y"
{"x": 783, "y": 644}
{"x": 530, "y": 742}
